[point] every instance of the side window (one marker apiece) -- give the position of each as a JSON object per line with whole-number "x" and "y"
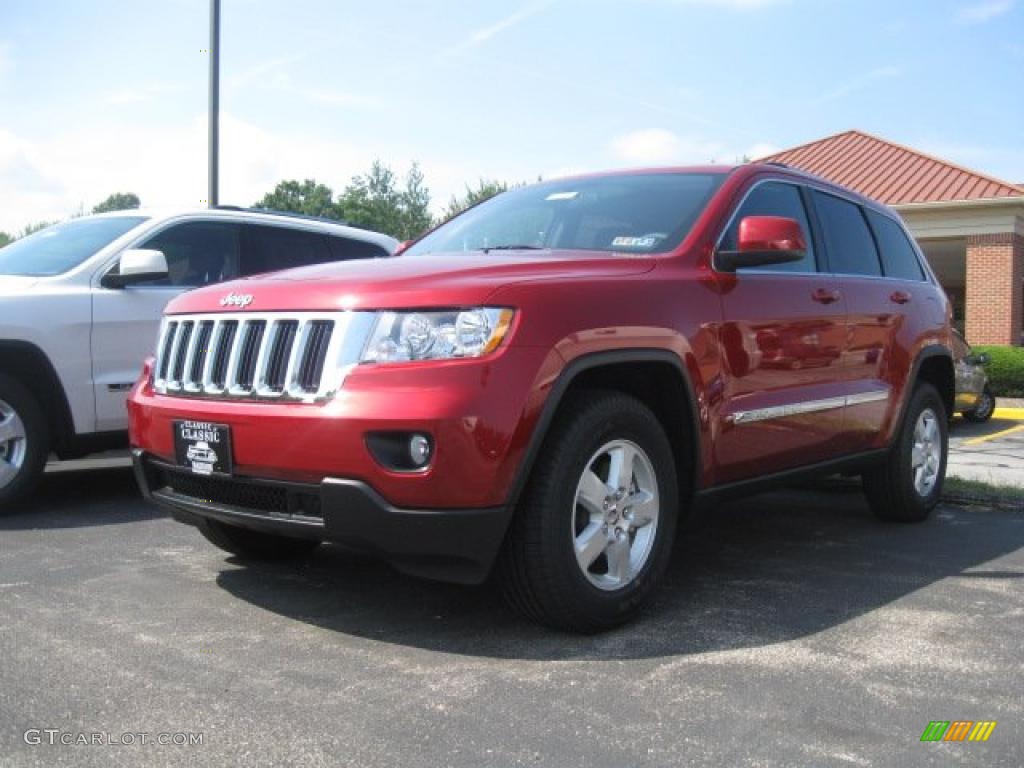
{"x": 899, "y": 259}
{"x": 774, "y": 199}
{"x": 268, "y": 249}
{"x": 197, "y": 252}
{"x": 851, "y": 249}
{"x": 344, "y": 248}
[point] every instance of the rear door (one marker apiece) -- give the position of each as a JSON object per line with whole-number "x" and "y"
{"x": 876, "y": 310}
{"x": 782, "y": 337}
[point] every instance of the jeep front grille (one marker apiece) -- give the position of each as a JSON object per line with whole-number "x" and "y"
{"x": 270, "y": 355}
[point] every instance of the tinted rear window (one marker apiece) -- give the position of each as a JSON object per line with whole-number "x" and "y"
{"x": 344, "y": 248}
{"x": 899, "y": 260}
{"x": 269, "y": 249}
{"x": 851, "y": 249}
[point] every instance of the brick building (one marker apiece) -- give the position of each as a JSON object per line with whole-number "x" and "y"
{"x": 969, "y": 225}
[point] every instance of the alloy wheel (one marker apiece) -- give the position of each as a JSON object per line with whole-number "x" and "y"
{"x": 616, "y": 513}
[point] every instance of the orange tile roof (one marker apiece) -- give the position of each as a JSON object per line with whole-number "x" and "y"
{"x": 891, "y": 173}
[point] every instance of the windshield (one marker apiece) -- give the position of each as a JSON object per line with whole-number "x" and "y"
{"x": 56, "y": 249}
{"x": 643, "y": 213}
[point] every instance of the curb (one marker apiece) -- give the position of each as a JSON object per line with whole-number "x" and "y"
{"x": 1017, "y": 414}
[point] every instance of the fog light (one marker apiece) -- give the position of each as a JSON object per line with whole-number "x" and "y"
{"x": 419, "y": 450}
{"x": 401, "y": 451}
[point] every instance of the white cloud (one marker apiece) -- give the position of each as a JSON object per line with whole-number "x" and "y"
{"x": 858, "y": 83}
{"x": 658, "y": 145}
{"x": 654, "y": 146}
{"x": 52, "y": 177}
{"x": 482, "y": 35}
{"x": 135, "y": 94}
{"x": 762, "y": 149}
{"x": 979, "y": 13}
{"x": 336, "y": 97}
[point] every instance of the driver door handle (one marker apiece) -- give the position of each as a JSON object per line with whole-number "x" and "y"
{"x": 826, "y": 296}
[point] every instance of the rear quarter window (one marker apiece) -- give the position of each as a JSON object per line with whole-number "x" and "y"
{"x": 848, "y": 241}
{"x": 899, "y": 259}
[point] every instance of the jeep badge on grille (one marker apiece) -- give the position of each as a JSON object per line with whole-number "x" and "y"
{"x": 240, "y": 300}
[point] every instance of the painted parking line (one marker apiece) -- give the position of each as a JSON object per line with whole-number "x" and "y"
{"x": 994, "y": 435}
{"x": 1017, "y": 414}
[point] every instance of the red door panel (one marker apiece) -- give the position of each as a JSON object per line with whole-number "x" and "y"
{"x": 782, "y": 341}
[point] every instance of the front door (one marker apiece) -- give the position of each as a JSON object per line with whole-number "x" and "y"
{"x": 126, "y": 320}
{"x": 782, "y": 337}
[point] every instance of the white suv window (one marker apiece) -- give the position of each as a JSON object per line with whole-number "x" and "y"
{"x": 198, "y": 253}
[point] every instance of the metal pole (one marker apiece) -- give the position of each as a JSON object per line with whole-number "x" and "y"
{"x": 214, "y": 98}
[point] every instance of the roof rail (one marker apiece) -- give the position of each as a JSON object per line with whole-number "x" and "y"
{"x": 288, "y": 214}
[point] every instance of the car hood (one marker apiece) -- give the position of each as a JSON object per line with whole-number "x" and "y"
{"x": 436, "y": 280}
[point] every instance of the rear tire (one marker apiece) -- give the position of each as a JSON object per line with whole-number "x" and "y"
{"x": 593, "y": 532}
{"x": 908, "y": 485}
{"x": 255, "y": 545}
{"x": 984, "y": 409}
{"x": 24, "y": 443}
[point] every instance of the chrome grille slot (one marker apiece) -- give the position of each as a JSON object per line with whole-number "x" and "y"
{"x": 181, "y": 344}
{"x": 165, "y": 347}
{"x": 280, "y": 354}
{"x": 301, "y": 356}
{"x": 314, "y": 352}
{"x": 252, "y": 338}
{"x": 198, "y": 354}
{"x": 219, "y": 366}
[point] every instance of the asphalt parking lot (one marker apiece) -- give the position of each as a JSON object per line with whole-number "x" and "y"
{"x": 992, "y": 452}
{"x": 794, "y": 630}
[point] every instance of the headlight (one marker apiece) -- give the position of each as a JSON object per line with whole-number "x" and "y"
{"x": 402, "y": 336}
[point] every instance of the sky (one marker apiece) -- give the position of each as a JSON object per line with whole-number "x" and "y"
{"x": 99, "y": 96}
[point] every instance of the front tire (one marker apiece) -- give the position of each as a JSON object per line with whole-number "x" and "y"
{"x": 908, "y": 485}
{"x": 24, "y": 443}
{"x": 594, "y": 530}
{"x": 255, "y": 545}
{"x": 984, "y": 409}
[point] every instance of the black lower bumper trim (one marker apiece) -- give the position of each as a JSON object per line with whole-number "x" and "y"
{"x": 457, "y": 545}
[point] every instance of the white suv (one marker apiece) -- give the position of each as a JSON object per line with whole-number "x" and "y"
{"x": 80, "y": 304}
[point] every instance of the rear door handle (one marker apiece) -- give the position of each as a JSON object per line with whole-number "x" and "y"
{"x": 899, "y": 297}
{"x": 825, "y": 296}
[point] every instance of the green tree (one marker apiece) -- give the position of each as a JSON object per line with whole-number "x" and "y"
{"x": 416, "y": 218}
{"x": 375, "y": 201}
{"x": 306, "y": 197}
{"x": 31, "y": 229}
{"x": 484, "y": 190}
{"x": 5, "y": 239}
{"x": 119, "y": 201}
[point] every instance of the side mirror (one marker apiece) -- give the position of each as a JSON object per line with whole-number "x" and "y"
{"x": 136, "y": 265}
{"x": 764, "y": 240}
{"x": 402, "y": 246}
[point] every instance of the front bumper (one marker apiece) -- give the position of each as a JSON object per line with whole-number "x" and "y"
{"x": 457, "y": 545}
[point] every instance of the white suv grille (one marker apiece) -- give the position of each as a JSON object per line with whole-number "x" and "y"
{"x": 273, "y": 356}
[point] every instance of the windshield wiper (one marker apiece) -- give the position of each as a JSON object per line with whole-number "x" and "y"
{"x": 513, "y": 248}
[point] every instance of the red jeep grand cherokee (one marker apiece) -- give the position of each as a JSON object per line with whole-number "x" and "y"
{"x": 552, "y": 382}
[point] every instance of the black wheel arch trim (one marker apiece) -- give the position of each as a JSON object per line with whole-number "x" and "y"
{"x": 927, "y": 353}
{"x": 588, "y": 362}
{"x": 58, "y": 413}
